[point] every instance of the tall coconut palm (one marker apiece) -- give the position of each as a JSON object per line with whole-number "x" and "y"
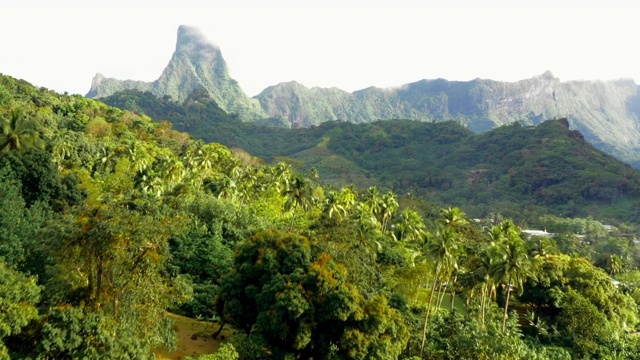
{"x": 138, "y": 153}
{"x": 453, "y": 217}
{"x": 18, "y": 132}
{"x": 227, "y": 188}
{"x": 172, "y": 170}
{"x": 442, "y": 248}
{"x": 373, "y": 199}
{"x": 63, "y": 149}
{"x": 333, "y": 208}
{"x": 410, "y": 227}
{"x": 280, "y": 174}
{"x": 298, "y": 194}
{"x": 388, "y": 207}
{"x": 511, "y": 266}
{"x": 480, "y": 264}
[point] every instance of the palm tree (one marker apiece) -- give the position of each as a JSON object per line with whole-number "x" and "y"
{"x": 410, "y": 228}
{"x": 138, "y": 153}
{"x": 313, "y": 174}
{"x": 172, "y": 169}
{"x": 227, "y": 189}
{"x": 442, "y": 249}
{"x": 298, "y": 194}
{"x": 373, "y": 199}
{"x": 453, "y": 217}
{"x": 480, "y": 264}
{"x": 63, "y": 148}
{"x": 247, "y": 183}
{"x": 279, "y": 175}
{"x": 511, "y": 267}
{"x": 388, "y": 207}
{"x": 366, "y": 223}
{"x": 105, "y": 160}
{"x": 18, "y": 132}
{"x": 615, "y": 264}
{"x": 333, "y": 207}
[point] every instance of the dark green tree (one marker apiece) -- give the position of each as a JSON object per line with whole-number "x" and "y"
{"x": 301, "y": 304}
{"x": 19, "y": 296}
{"x": 18, "y": 132}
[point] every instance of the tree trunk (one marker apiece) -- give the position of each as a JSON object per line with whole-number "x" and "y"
{"x": 91, "y": 281}
{"x": 453, "y": 293}
{"x": 443, "y": 291}
{"x": 217, "y": 333}
{"x": 506, "y": 308}
{"x": 426, "y": 318}
{"x": 483, "y": 301}
{"x": 99, "y": 282}
{"x": 293, "y": 217}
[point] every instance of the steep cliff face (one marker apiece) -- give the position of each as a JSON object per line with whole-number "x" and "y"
{"x": 196, "y": 63}
{"x": 606, "y": 112}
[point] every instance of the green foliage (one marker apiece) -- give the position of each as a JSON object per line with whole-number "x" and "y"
{"x": 569, "y": 290}
{"x": 41, "y": 182}
{"x": 225, "y": 352}
{"x": 76, "y": 333}
{"x": 118, "y": 218}
{"x": 583, "y": 324}
{"x": 19, "y": 295}
{"x": 302, "y": 304}
{"x": 203, "y": 250}
{"x": 18, "y": 132}
{"x": 515, "y": 170}
{"x": 454, "y": 337}
{"x": 20, "y": 227}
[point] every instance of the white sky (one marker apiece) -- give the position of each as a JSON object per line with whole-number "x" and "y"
{"x": 348, "y": 44}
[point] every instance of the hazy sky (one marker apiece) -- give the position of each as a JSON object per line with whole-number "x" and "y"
{"x": 347, "y": 44}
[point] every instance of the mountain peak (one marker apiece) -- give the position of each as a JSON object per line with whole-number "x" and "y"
{"x": 190, "y": 37}
{"x": 547, "y": 75}
{"x": 196, "y": 63}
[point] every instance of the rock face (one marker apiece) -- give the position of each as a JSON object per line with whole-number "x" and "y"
{"x": 196, "y": 63}
{"x": 606, "y": 112}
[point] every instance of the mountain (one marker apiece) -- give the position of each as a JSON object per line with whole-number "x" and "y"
{"x": 196, "y": 63}
{"x": 606, "y": 112}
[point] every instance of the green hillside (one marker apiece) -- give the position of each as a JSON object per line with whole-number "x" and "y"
{"x": 111, "y": 220}
{"x": 520, "y": 171}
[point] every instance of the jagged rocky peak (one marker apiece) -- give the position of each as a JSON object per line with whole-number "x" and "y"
{"x": 547, "y": 75}
{"x": 191, "y": 40}
{"x": 196, "y": 63}
{"x": 97, "y": 80}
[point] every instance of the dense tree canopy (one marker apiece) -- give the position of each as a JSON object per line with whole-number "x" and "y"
{"x": 109, "y": 219}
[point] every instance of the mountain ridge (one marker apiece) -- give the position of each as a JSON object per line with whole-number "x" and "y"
{"x": 607, "y": 113}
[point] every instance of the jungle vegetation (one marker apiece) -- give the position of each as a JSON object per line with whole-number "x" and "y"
{"x": 109, "y": 220}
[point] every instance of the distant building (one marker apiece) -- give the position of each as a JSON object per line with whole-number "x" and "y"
{"x": 543, "y": 233}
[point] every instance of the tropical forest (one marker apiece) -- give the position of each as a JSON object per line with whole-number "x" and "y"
{"x": 141, "y": 225}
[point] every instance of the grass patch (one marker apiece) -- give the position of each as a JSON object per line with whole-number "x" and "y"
{"x": 193, "y": 338}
